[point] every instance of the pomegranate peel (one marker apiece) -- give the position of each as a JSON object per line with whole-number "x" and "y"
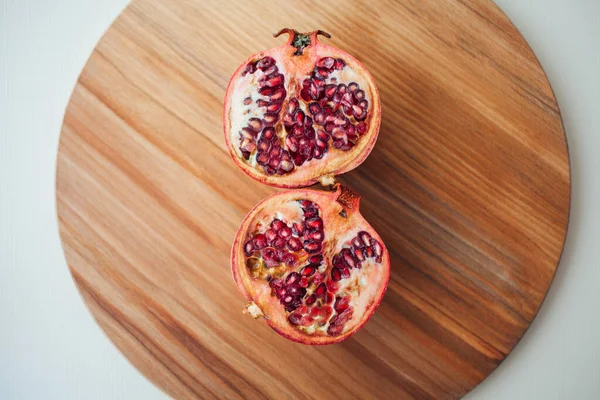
{"x": 300, "y": 113}
{"x": 331, "y": 285}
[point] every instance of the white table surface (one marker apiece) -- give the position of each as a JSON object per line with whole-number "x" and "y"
{"x": 50, "y": 347}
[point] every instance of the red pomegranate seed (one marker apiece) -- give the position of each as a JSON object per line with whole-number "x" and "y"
{"x": 317, "y": 279}
{"x": 352, "y": 86}
{"x": 275, "y": 80}
{"x": 369, "y": 252}
{"x": 334, "y": 330}
{"x": 303, "y": 282}
{"x": 320, "y": 118}
{"x": 339, "y": 134}
{"x": 277, "y": 224}
{"x": 364, "y": 104}
{"x": 255, "y": 124}
{"x": 248, "y": 248}
{"x": 250, "y": 69}
{"x": 347, "y": 99}
{"x": 291, "y": 144}
{"x": 376, "y": 247}
{"x": 295, "y": 318}
{"x": 259, "y": 241}
{"x": 248, "y": 146}
{"x": 308, "y": 270}
{"x": 321, "y": 73}
{"x": 365, "y": 238}
{"x": 315, "y": 91}
{"x": 305, "y": 95}
{"x": 329, "y": 90}
{"x": 292, "y": 106}
{"x": 336, "y": 274}
{"x": 326, "y": 62}
{"x": 286, "y": 166}
{"x": 345, "y": 272}
{"x": 348, "y": 258}
{"x": 279, "y": 243}
{"x": 359, "y": 254}
{"x": 329, "y": 298}
{"x": 268, "y": 133}
{"x": 274, "y": 163}
{"x": 359, "y": 95}
{"x": 274, "y": 107}
{"x": 265, "y": 63}
{"x": 361, "y": 128}
{"x": 262, "y": 158}
{"x": 306, "y": 320}
{"x": 247, "y": 101}
{"x": 310, "y": 300}
{"x": 314, "y": 108}
{"x": 315, "y": 223}
{"x": 278, "y": 95}
{"x": 298, "y": 228}
{"x": 289, "y": 259}
{"x": 292, "y": 278}
{"x": 339, "y": 64}
{"x": 299, "y": 117}
{"x": 320, "y": 290}
{"x": 316, "y": 259}
{"x": 294, "y": 244}
{"x": 298, "y": 132}
{"x": 269, "y": 119}
{"x": 341, "y": 303}
{"x": 330, "y": 127}
{"x": 312, "y": 247}
{"x": 271, "y": 235}
{"x": 285, "y": 232}
{"x": 317, "y": 236}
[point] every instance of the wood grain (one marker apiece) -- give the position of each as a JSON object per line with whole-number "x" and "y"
{"x": 468, "y": 185}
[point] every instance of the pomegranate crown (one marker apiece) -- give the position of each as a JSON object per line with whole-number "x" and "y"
{"x": 301, "y": 40}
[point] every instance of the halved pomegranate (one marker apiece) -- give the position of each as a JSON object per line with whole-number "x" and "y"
{"x": 310, "y": 264}
{"x": 301, "y": 113}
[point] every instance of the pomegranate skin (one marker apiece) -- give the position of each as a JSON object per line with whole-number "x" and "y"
{"x": 335, "y": 162}
{"x": 257, "y": 292}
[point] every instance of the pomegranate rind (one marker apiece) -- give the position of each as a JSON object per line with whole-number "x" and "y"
{"x": 258, "y": 291}
{"x": 314, "y": 171}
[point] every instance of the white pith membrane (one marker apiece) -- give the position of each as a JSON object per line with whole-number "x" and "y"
{"x": 248, "y": 118}
{"x": 362, "y": 287}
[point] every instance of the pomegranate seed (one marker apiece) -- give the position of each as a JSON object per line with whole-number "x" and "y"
{"x": 332, "y": 286}
{"x": 294, "y": 244}
{"x": 317, "y": 259}
{"x": 285, "y": 232}
{"x": 312, "y": 247}
{"x": 292, "y": 106}
{"x": 265, "y": 63}
{"x": 303, "y": 282}
{"x": 275, "y": 151}
{"x": 262, "y": 158}
{"x": 317, "y": 153}
{"x": 315, "y": 223}
{"x": 320, "y": 290}
{"x": 329, "y": 298}
{"x": 289, "y": 259}
{"x": 248, "y": 146}
{"x": 259, "y": 242}
{"x": 310, "y": 213}
{"x": 269, "y": 119}
{"x": 278, "y": 95}
{"x": 299, "y": 117}
{"x": 317, "y": 279}
{"x": 364, "y": 104}
{"x": 247, "y": 101}
{"x": 292, "y": 278}
{"x": 320, "y": 118}
{"x": 348, "y": 258}
{"x": 339, "y": 134}
{"x": 248, "y": 248}
{"x": 250, "y": 69}
{"x": 365, "y": 238}
{"x": 277, "y": 224}
{"x": 308, "y": 270}
{"x": 309, "y": 132}
{"x": 341, "y": 303}
{"x": 317, "y": 236}
{"x": 342, "y": 89}
{"x": 268, "y": 133}
{"x": 276, "y": 283}
{"x": 298, "y": 132}
{"x": 305, "y": 95}
{"x": 359, "y": 95}
{"x": 359, "y": 254}
{"x": 295, "y": 318}
{"x": 298, "y": 159}
{"x": 352, "y": 86}
{"x": 337, "y": 144}
{"x": 329, "y": 127}
{"x": 347, "y": 99}
{"x": 361, "y": 128}
{"x": 298, "y": 228}
{"x": 376, "y": 247}
{"x": 345, "y": 272}
{"x": 271, "y": 235}
{"x": 334, "y": 330}
{"x": 314, "y": 108}
{"x": 326, "y": 62}
{"x": 274, "y": 107}
{"x": 315, "y": 91}
{"x": 274, "y": 163}
{"x": 275, "y": 80}
{"x": 310, "y": 300}
{"x": 306, "y": 320}
{"x": 281, "y": 292}
{"x": 321, "y": 73}
{"x": 286, "y": 166}
{"x": 339, "y": 64}
{"x": 291, "y": 143}
{"x": 336, "y": 274}
{"x": 255, "y": 124}
{"x": 265, "y": 91}
{"x": 369, "y": 252}
{"x": 329, "y": 91}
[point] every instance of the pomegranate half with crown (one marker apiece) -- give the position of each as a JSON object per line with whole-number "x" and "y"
{"x": 301, "y": 113}
{"x": 310, "y": 264}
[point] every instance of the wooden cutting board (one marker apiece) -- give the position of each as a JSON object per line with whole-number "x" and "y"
{"x": 468, "y": 185}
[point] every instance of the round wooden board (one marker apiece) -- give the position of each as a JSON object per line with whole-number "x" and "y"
{"x": 468, "y": 185}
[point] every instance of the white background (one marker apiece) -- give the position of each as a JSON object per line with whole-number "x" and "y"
{"x": 50, "y": 347}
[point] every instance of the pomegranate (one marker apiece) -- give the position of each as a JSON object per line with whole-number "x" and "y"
{"x": 301, "y": 113}
{"x": 310, "y": 264}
